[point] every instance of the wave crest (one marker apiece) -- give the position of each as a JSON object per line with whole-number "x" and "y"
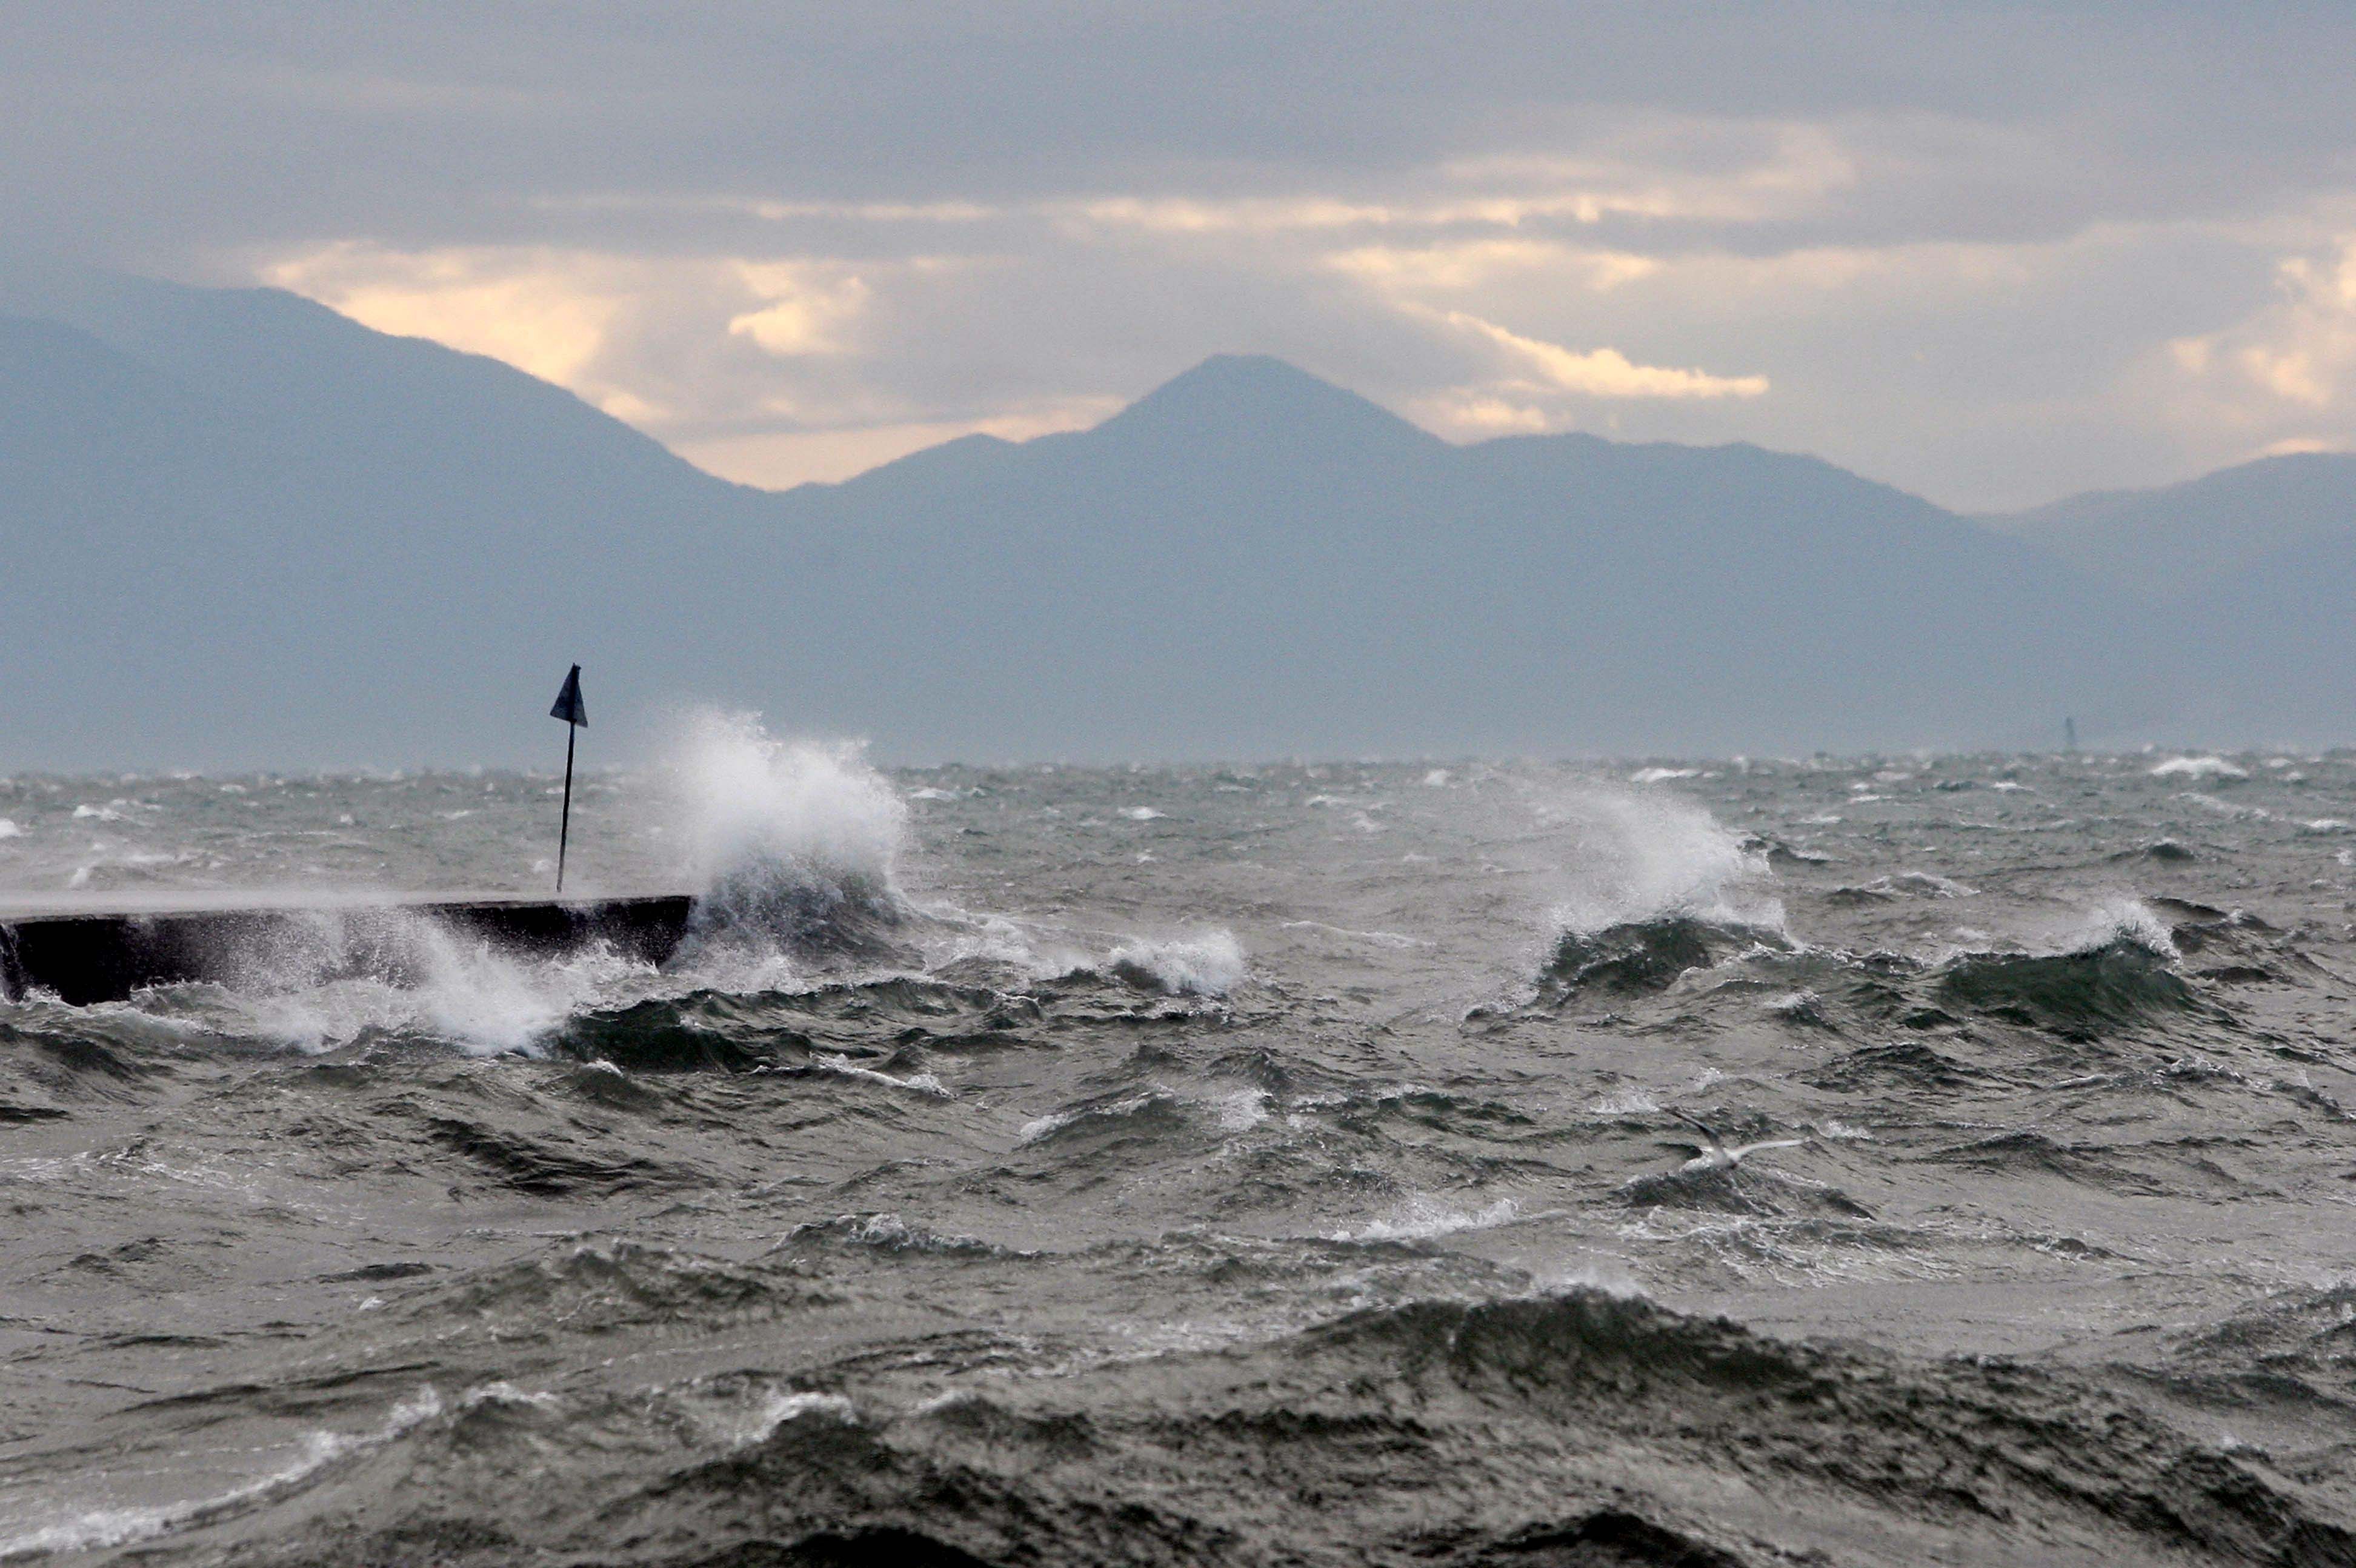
{"x": 1644, "y": 955}
{"x": 2123, "y": 972}
{"x": 796, "y": 844}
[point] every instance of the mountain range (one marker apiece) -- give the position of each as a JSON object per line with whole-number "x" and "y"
{"x": 242, "y": 530}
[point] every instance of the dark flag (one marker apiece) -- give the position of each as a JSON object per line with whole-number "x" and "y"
{"x": 569, "y": 706}
{"x": 575, "y": 714}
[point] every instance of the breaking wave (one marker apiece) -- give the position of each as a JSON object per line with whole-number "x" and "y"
{"x": 1644, "y": 955}
{"x": 332, "y": 978}
{"x": 1637, "y": 859}
{"x": 97, "y": 1529}
{"x": 2121, "y": 970}
{"x": 2199, "y": 768}
{"x": 796, "y": 846}
{"x": 1656, "y": 887}
{"x": 1210, "y": 963}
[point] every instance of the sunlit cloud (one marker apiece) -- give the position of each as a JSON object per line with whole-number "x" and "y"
{"x": 540, "y": 311}
{"x": 769, "y": 209}
{"x": 681, "y": 346}
{"x": 1473, "y": 263}
{"x": 809, "y": 306}
{"x": 767, "y": 370}
{"x": 1278, "y": 215}
{"x": 778, "y": 460}
{"x": 2014, "y": 254}
{"x": 777, "y": 340}
{"x": 2292, "y": 360}
{"x": 2298, "y": 445}
{"x": 1477, "y": 416}
{"x": 1754, "y": 173}
{"x": 1606, "y": 372}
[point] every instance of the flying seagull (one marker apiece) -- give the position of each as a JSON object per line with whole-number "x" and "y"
{"x": 1717, "y": 1156}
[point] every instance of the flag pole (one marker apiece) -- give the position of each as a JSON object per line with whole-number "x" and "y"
{"x": 575, "y": 713}
{"x": 564, "y": 827}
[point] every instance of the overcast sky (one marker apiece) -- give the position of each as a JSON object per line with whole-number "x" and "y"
{"x": 1991, "y": 253}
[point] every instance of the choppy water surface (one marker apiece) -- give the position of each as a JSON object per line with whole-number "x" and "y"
{"x": 1113, "y": 1166}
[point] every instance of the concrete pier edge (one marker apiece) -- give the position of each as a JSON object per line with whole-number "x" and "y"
{"x": 83, "y": 958}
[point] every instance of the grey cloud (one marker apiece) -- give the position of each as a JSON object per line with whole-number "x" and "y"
{"x": 418, "y": 120}
{"x": 1057, "y": 204}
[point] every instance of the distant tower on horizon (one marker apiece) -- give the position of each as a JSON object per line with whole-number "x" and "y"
{"x": 2069, "y": 734}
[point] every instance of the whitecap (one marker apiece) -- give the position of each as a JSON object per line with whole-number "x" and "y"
{"x": 461, "y": 989}
{"x": 1040, "y": 1128}
{"x": 2199, "y": 767}
{"x": 1423, "y": 1218}
{"x": 2121, "y": 919}
{"x": 1918, "y": 884}
{"x": 1210, "y": 963}
{"x": 1650, "y": 856}
{"x": 99, "y": 1528}
{"x": 919, "y": 1083}
{"x": 1840, "y": 1131}
{"x": 1240, "y": 1110}
{"x": 503, "y": 1392}
{"x": 1379, "y": 938}
{"x": 776, "y": 826}
{"x": 1609, "y": 1277}
{"x": 782, "y": 1408}
{"x": 2224, "y": 807}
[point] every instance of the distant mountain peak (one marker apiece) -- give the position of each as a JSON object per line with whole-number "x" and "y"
{"x": 2166, "y": 544}
{"x": 1255, "y": 397}
{"x": 1248, "y": 375}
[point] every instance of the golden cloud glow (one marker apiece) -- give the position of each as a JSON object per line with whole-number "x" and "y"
{"x": 809, "y": 306}
{"x": 540, "y": 310}
{"x": 1278, "y": 215}
{"x": 2296, "y": 445}
{"x": 1606, "y": 372}
{"x": 2299, "y": 350}
{"x": 1772, "y": 171}
{"x": 779, "y": 459}
{"x": 1477, "y": 416}
{"x": 1450, "y": 269}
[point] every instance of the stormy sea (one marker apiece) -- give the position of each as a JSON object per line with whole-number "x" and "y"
{"x": 1888, "y": 1160}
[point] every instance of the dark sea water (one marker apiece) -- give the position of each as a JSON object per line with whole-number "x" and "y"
{"x": 1252, "y": 1165}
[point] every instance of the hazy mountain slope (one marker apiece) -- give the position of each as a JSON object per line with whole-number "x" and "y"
{"x": 130, "y": 572}
{"x": 242, "y": 528}
{"x": 2165, "y": 545}
{"x": 2277, "y": 640}
{"x": 1780, "y": 600}
{"x": 1250, "y": 561}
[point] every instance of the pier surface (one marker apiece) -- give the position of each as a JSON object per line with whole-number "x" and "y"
{"x": 84, "y": 954}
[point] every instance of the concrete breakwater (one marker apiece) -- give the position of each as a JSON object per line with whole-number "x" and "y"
{"x": 99, "y": 955}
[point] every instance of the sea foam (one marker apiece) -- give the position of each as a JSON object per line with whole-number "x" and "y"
{"x": 1208, "y": 963}
{"x": 788, "y": 839}
{"x": 1635, "y": 858}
